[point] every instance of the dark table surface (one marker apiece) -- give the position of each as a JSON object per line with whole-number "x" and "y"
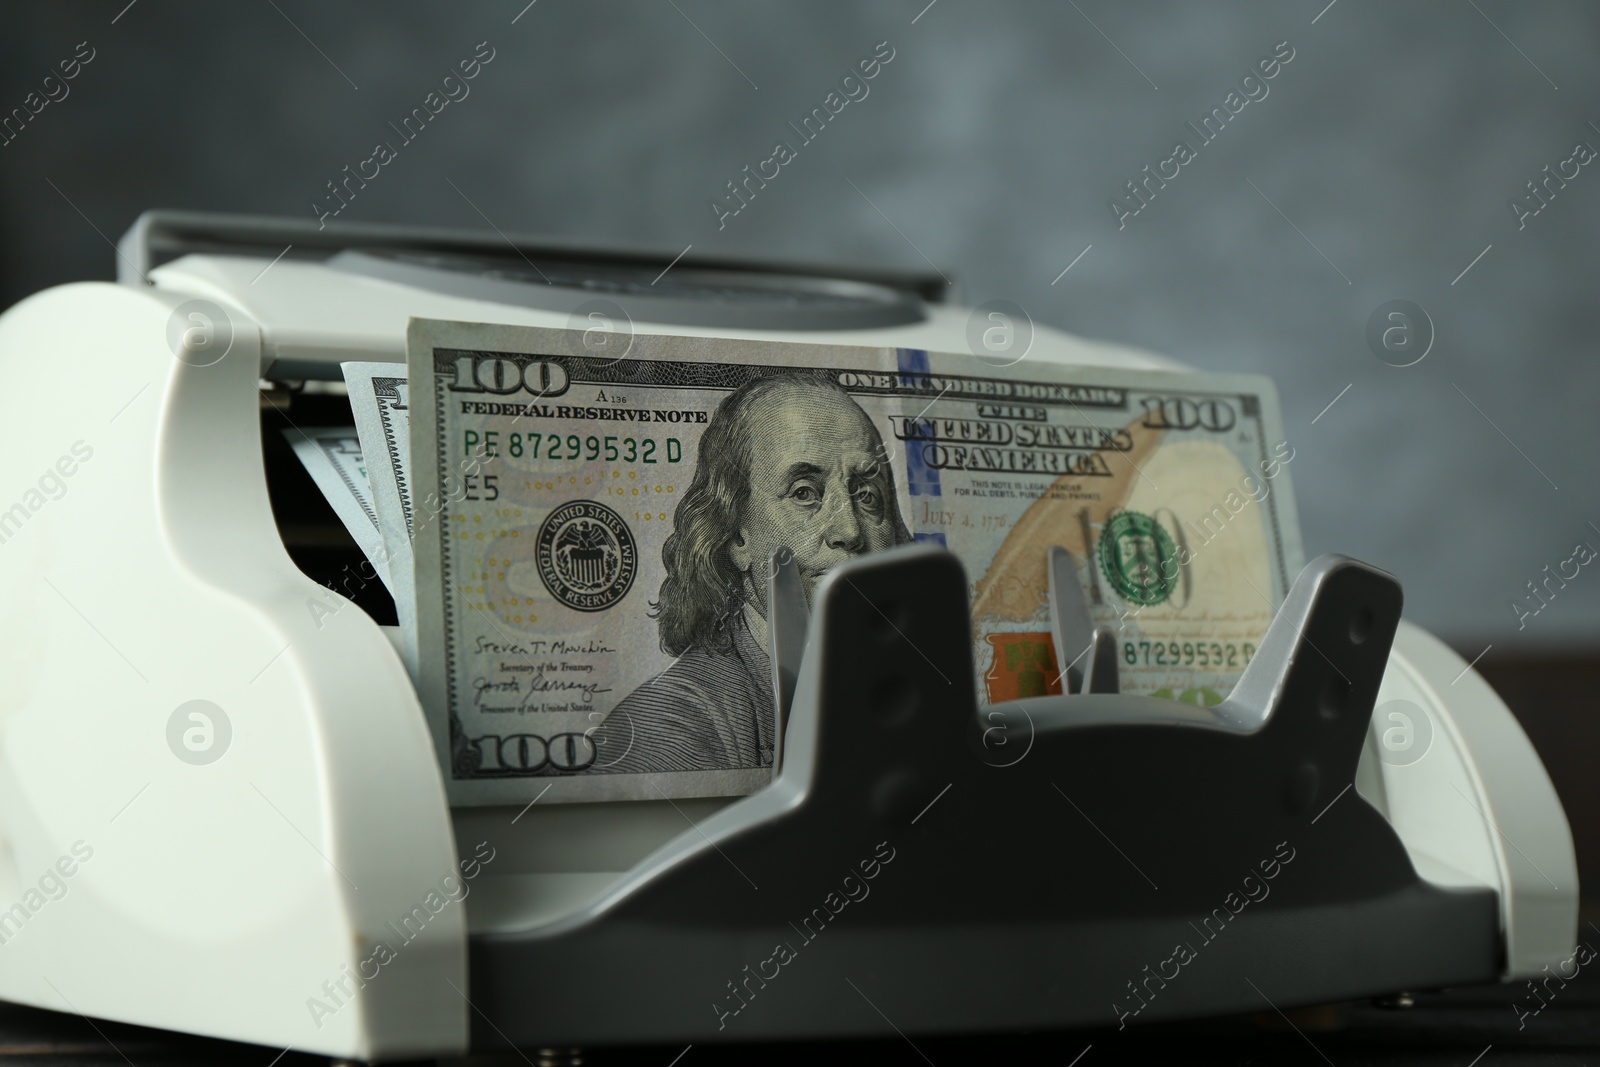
{"x": 1461, "y": 1027}
{"x": 1457, "y": 1028}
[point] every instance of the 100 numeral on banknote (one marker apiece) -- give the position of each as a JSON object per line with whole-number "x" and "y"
{"x": 591, "y": 603}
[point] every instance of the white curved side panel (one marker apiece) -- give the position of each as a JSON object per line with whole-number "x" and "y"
{"x": 1472, "y": 802}
{"x": 231, "y": 897}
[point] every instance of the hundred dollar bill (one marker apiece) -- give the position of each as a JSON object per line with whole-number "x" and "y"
{"x": 591, "y": 593}
{"x": 378, "y": 404}
{"x": 332, "y": 456}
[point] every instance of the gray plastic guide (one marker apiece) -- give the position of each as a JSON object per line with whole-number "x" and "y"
{"x": 1088, "y": 652}
{"x": 1048, "y": 855}
{"x": 787, "y": 619}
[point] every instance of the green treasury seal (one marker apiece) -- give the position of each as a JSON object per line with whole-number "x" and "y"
{"x": 1134, "y": 550}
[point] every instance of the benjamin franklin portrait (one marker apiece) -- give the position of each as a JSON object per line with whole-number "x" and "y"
{"x": 789, "y": 461}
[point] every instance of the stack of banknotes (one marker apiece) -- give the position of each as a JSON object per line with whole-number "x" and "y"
{"x": 577, "y": 535}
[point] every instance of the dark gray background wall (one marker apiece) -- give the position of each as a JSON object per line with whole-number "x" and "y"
{"x": 1379, "y": 167}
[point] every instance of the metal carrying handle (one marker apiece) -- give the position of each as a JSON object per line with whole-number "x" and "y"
{"x": 161, "y": 235}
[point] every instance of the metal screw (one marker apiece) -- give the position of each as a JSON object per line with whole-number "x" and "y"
{"x": 1395, "y": 1001}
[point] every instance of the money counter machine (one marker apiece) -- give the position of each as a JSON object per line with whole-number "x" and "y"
{"x": 220, "y": 793}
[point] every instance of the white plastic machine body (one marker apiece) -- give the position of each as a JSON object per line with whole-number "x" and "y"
{"x": 142, "y": 569}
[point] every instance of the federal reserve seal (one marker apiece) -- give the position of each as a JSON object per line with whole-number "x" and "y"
{"x": 1138, "y": 558}
{"x": 586, "y": 556}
